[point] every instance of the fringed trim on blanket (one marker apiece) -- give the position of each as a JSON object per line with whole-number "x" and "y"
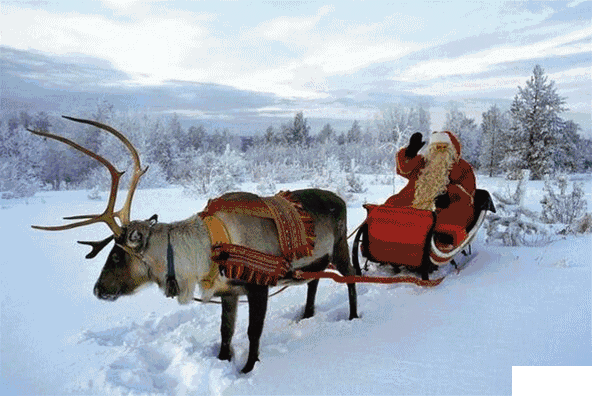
{"x": 249, "y": 265}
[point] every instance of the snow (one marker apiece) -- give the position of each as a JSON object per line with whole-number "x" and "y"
{"x": 511, "y": 306}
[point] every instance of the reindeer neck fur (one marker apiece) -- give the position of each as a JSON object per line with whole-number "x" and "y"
{"x": 192, "y": 254}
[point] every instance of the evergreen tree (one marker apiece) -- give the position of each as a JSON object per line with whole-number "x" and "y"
{"x": 298, "y": 132}
{"x": 327, "y": 134}
{"x": 494, "y": 128}
{"x": 569, "y": 156}
{"x": 536, "y": 129}
{"x": 354, "y": 134}
{"x": 219, "y": 140}
{"x": 270, "y": 136}
{"x": 196, "y": 136}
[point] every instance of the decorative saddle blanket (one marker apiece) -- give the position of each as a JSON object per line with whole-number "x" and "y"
{"x": 295, "y": 232}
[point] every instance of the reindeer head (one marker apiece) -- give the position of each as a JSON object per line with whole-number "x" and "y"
{"x": 125, "y": 269}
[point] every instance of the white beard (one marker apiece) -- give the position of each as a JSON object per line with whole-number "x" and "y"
{"x": 434, "y": 177}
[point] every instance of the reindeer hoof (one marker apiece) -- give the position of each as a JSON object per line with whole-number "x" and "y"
{"x": 225, "y": 355}
{"x": 308, "y": 313}
{"x": 249, "y": 366}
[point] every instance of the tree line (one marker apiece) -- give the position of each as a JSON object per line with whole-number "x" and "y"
{"x": 530, "y": 135}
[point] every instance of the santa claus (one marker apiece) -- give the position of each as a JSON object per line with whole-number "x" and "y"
{"x": 439, "y": 180}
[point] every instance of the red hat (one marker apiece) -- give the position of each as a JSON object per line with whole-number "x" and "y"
{"x": 448, "y": 138}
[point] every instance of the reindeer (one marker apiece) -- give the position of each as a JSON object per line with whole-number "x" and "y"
{"x": 146, "y": 251}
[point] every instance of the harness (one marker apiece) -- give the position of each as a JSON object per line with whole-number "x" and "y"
{"x": 218, "y": 235}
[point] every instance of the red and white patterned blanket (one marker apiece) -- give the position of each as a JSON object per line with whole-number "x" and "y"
{"x": 295, "y": 233}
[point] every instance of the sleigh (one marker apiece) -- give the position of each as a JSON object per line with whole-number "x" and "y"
{"x": 411, "y": 240}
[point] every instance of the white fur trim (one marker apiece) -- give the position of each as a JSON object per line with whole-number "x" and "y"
{"x": 440, "y": 137}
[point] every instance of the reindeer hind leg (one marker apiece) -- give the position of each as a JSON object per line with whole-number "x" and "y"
{"x": 343, "y": 264}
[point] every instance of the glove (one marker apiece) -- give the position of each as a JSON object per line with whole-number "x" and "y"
{"x": 442, "y": 201}
{"x": 415, "y": 144}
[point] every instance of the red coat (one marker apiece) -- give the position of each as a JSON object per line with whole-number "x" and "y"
{"x": 461, "y": 189}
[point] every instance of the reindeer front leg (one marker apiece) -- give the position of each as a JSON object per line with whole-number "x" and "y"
{"x": 257, "y": 297}
{"x": 309, "y": 308}
{"x": 229, "y": 305}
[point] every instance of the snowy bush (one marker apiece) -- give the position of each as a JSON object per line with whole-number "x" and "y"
{"x": 99, "y": 178}
{"x": 286, "y": 164}
{"x": 581, "y": 226}
{"x": 354, "y": 181}
{"x": 331, "y": 177}
{"x": 212, "y": 175}
{"x": 513, "y": 224}
{"x": 266, "y": 186}
{"x": 155, "y": 177}
{"x": 559, "y": 206}
{"x": 94, "y": 194}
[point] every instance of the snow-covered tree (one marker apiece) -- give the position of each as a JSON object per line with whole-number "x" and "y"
{"x": 397, "y": 123}
{"x": 468, "y": 133}
{"x": 270, "y": 136}
{"x": 354, "y": 134}
{"x": 354, "y": 181}
{"x": 331, "y": 176}
{"x": 327, "y": 134}
{"x": 494, "y": 127}
{"x": 20, "y": 154}
{"x": 196, "y": 136}
{"x": 210, "y": 174}
{"x": 569, "y": 156}
{"x": 297, "y": 132}
{"x": 536, "y": 129}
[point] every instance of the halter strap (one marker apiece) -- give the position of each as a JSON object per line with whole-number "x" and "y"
{"x": 171, "y": 286}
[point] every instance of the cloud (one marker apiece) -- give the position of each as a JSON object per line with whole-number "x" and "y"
{"x": 156, "y": 46}
{"x": 572, "y": 83}
{"x": 306, "y": 51}
{"x": 128, "y": 6}
{"x": 289, "y": 29}
{"x": 481, "y": 61}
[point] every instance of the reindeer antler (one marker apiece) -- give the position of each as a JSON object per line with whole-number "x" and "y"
{"x": 109, "y": 215}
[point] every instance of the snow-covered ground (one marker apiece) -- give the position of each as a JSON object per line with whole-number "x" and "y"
{"x": 512, "y": 306}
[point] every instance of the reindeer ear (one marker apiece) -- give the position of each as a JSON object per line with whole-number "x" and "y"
{"x": 153, "y": 220}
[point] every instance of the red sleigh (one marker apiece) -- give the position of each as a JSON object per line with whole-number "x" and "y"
{"x": 408, "y": 238}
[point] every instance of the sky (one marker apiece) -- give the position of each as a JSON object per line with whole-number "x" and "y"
{"x": 319, "y": 51}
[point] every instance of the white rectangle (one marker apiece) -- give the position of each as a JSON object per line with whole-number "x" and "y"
{"x": 551, "y": 380}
